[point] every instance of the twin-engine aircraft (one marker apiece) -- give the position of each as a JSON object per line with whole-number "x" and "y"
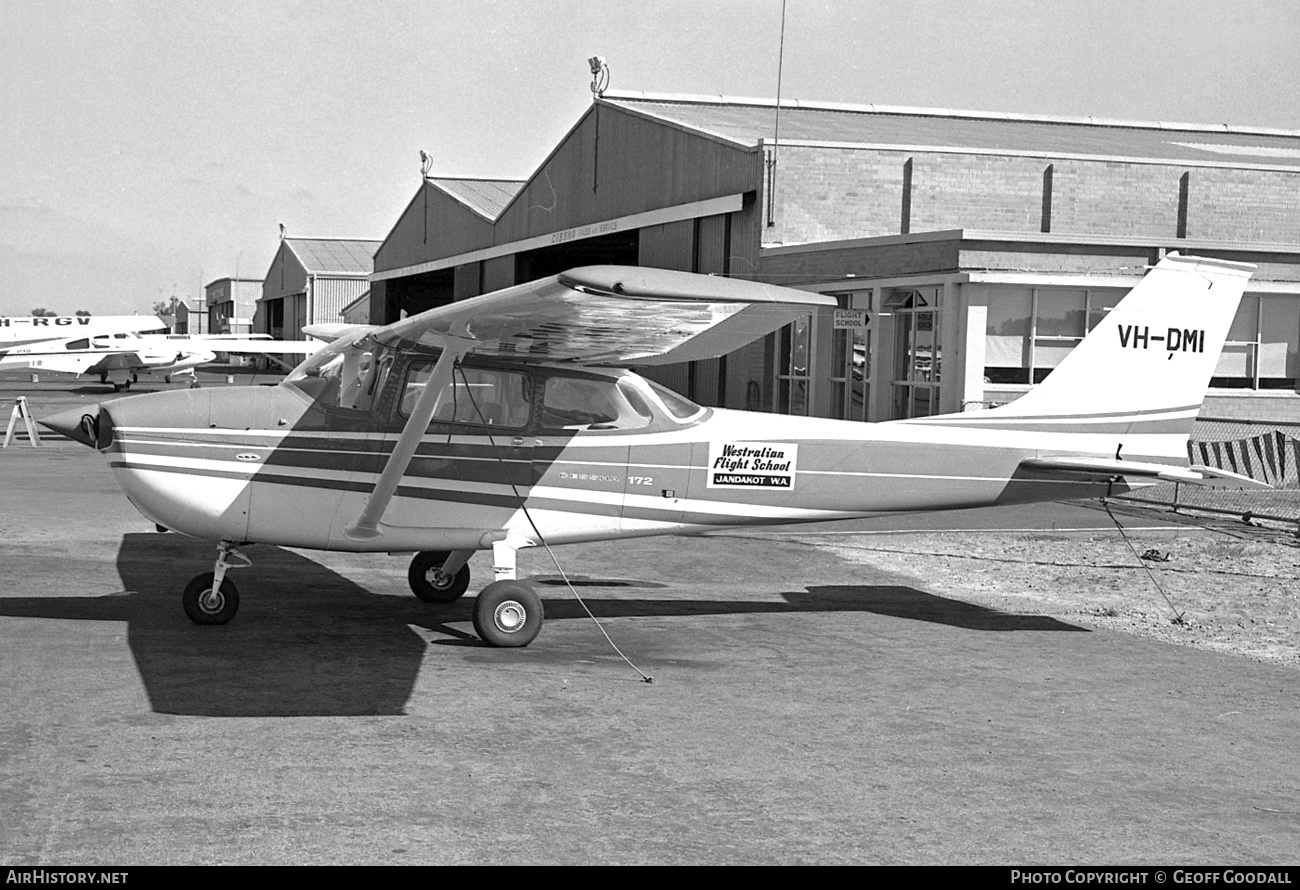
{"x": 31, "y": 341}
{"x": 115, "y": 349}
{"x": 507, "y": 421}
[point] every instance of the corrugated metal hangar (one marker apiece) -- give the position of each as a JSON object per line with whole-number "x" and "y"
{"x": 312, "y": 280}
{"x": 981, "y": 246}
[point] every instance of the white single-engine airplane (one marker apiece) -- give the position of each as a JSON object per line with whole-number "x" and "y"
{"x": 120, "y": 357}
{"x": 506, "y": 421}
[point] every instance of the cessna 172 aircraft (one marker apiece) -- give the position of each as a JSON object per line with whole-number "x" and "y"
{"x": 507, "y": 421}
{"x": 119, "y": 356}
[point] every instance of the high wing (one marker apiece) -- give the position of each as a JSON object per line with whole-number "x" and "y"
{"x": 243, "y": 345}
{"x": 593, "y": 315}
{"x": 330, "y": 331}
{"x": 611, "y": 315}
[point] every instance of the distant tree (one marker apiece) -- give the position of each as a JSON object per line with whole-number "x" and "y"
{"x": 85, "y": 312}
{"x": 166, "y": 307}
{"x": 43, "y": 313}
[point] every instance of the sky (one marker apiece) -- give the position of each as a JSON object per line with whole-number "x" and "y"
{"x": 148, "y": 148}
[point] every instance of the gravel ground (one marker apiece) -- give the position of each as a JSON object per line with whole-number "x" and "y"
{"x": 1219, "y": 588}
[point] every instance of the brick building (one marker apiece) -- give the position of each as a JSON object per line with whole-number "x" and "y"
{"x": 982, "y": 246}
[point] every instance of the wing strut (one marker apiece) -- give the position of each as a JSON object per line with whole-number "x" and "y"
{"x": 367, "y": 528}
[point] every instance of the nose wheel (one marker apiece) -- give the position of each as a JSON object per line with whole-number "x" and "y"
{"x": 210, "y": 598}
{"x": 209, "y": 603}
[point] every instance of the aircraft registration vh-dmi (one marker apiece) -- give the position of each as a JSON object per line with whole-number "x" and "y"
{"x": 507, "y": 421}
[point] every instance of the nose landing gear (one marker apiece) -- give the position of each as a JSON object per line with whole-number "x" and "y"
{"x": 210, "y": 598}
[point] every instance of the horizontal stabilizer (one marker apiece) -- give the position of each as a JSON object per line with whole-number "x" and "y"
{"x": 1226, "y": 479}
{"x": 1110, "y": 468}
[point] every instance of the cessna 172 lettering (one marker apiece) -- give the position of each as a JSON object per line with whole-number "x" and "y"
{"x": 115, "y": 349}
{"x": 507, "y": 421}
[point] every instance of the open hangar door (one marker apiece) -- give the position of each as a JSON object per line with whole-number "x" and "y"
{"x": 616, "y": 248}
{"x": 417, "y": 293}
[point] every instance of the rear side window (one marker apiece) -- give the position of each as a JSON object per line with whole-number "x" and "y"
{"x": 478, "y": 396}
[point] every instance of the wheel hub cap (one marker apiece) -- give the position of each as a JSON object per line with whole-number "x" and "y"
{"x": 211, "y": 601}
{"x": 510, "y": 616}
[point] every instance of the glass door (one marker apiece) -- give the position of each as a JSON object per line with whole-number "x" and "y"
{"x": 917, "y": 352}
{"x": 850, "y": 369}
{"x": 793, "y": 378}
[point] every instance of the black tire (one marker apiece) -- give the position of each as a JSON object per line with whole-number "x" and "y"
{"x": 508, "y": 614}
{"x": 426, "y": 584}
{"x": 206, "y": 607}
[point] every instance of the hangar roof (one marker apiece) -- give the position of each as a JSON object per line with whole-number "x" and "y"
{"x": 486, "y": 197}
{"x": 751, "y": 121}
{"x": 334, "y": 256}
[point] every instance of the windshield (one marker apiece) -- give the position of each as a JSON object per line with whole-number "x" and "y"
{"x": 344, "y": 374}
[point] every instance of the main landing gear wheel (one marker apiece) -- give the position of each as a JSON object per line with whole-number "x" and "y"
{"x": 508, "y": 614}
{"x": 205, "y": 605}
{"x": 430, "y": 583}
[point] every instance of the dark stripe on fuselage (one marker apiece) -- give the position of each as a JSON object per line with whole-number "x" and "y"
{"x": 1132, "y": 427}
{"x": 1150, "y": 420}
{"x": 468, "y": 462}
{"x": 477, "y": 498}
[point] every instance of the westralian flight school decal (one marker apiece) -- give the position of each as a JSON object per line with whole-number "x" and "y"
{"x": 752, "y": 464}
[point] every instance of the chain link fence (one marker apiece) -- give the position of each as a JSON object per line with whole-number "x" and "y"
{"x": 1269, "y": 452}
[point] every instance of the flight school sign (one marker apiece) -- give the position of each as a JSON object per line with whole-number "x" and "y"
{"x": 752, "y": 465}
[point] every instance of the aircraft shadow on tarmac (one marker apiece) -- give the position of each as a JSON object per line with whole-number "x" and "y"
{"x": 310, "y": 642}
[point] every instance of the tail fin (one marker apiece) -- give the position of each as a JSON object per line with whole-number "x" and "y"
{"x": 1149, "y": 361}
{"x": 1154, "y": 352}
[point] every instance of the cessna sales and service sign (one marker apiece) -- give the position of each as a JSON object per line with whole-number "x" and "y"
{"x": 752, "y": 465}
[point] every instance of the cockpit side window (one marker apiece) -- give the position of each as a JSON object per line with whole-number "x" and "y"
{"x": 365, "y": 382}
{"x": 579, "y": 403}
{"x": 476, "y": 396}
{"x": 680, "y": 407}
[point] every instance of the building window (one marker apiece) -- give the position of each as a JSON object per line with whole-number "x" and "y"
{"x": 918, "y": 365}
{"x": 1263, "y": 345}
{"x": 1030, "y": 330}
